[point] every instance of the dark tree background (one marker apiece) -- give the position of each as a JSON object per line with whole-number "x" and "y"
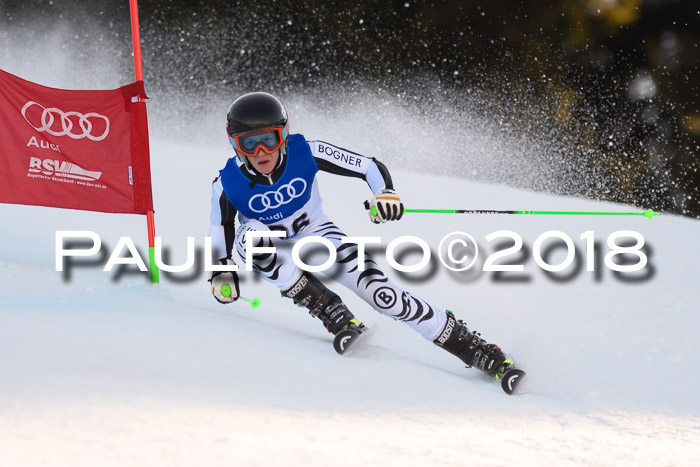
{"x": 616, "y": 81}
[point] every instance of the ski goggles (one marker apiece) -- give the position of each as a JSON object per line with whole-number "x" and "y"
{"x": 269, "y": 140}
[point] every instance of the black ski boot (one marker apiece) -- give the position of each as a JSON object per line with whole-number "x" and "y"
{"x": 308, "y": 292}
{"x": 469, "y": 347}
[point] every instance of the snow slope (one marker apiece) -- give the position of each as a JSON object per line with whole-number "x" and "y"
{"x": 98, "y": 368}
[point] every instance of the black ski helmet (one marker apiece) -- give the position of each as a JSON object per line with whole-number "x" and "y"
{"x": 256, "y": 111}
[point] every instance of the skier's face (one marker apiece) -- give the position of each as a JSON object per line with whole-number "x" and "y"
{"x": 263, "y": 162}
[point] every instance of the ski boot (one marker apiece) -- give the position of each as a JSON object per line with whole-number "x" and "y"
{"x": 308, "y": 292}
{"x": 474, "y": 351}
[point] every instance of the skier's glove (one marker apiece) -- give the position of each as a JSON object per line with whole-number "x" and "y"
{"x": 224, "y": 284}
{"x": 386, "y": 206}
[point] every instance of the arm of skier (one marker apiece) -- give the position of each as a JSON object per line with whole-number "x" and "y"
{"x": 387, "y": 204}
{"x": 222, "y": 229}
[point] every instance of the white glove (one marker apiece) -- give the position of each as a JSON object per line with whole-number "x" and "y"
{"x": 385, "y": 206}
{"x": 224, "y": 285}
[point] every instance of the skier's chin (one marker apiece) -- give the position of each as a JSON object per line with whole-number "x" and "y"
{"x": 264, "y": 167}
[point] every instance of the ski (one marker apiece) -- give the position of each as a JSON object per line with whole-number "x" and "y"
{"x": 511, "y": 379}
{"x": 509, "y": 376}
{"x": 346, "y": 338}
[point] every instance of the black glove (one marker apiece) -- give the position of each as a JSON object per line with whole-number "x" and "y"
{"x": 224, "y": 284}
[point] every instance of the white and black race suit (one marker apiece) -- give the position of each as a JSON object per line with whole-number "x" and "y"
{"x": 288, "y": 199}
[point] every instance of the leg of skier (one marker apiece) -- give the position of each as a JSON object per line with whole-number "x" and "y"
{"x": 372, "y": 285}
{"x": 434, "y": 324}
{"x": 302, "y": 287}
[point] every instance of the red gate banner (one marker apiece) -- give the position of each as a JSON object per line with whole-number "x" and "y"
{"x": 83, "y": 150}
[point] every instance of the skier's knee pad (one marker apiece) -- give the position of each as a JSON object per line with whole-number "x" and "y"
{"x": 308, "y": 292}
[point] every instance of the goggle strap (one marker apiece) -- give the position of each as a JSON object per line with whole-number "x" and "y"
{"x": 233, "y": 142}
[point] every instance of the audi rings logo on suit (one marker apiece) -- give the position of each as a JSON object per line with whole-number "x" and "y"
{"x": 87, "y": 124}
{"x": 274, "y": 199}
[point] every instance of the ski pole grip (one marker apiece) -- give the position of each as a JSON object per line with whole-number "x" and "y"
{"x": 372, "y": 209}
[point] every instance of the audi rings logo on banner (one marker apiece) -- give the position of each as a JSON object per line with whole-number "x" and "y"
{"x": 274, "y": 199}
{"x": 67, "y": 128}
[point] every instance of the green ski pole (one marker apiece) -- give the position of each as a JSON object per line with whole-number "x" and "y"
{"x": 649, "y": 214}
{"x": 226, "y": 292}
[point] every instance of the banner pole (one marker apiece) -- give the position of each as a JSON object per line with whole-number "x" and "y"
{"x": 138, "y": 68}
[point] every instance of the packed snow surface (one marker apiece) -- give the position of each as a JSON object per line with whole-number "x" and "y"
{"x": 99, "y": 368}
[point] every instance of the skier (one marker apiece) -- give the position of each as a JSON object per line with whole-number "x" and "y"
{"x": 271, "y": 184}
